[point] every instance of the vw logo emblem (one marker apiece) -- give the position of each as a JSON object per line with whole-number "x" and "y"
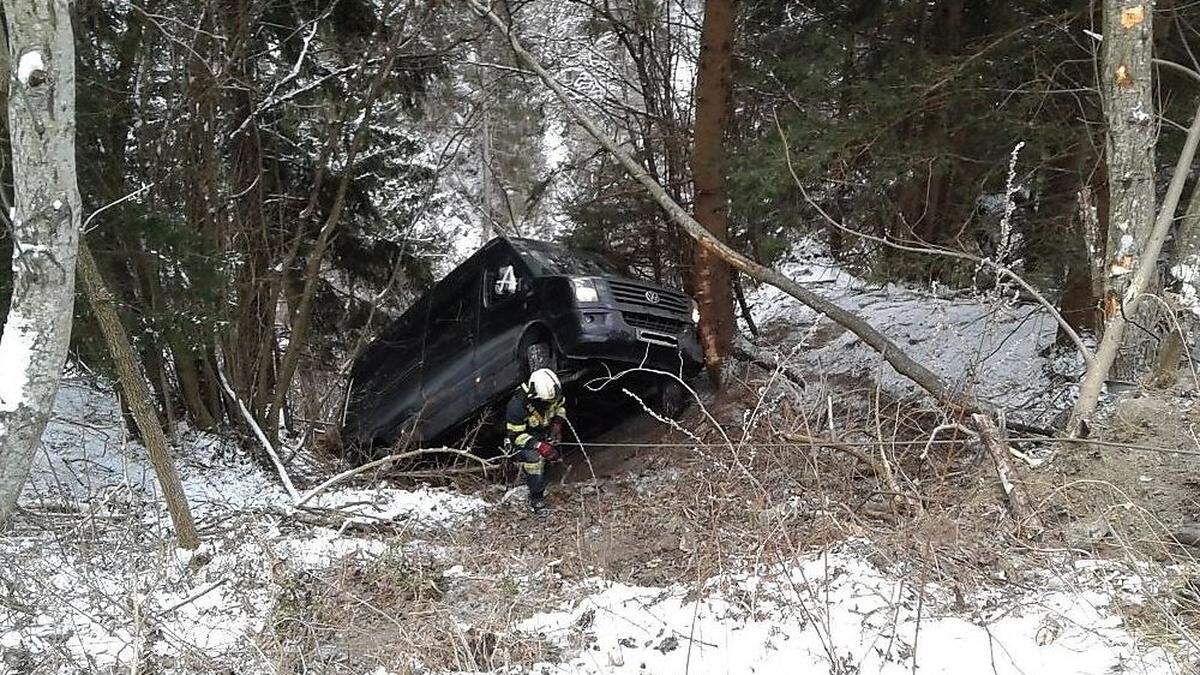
{"x": 652, "y": 297}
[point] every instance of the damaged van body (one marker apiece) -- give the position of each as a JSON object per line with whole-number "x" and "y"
{"x": 514, "y": 306}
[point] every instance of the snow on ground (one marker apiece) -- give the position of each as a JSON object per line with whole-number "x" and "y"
{"x": 994, "y": 348}
{"x": 99, "y": 582}
{"x": 835, "y": 612}
{"x": 86, "y": 455}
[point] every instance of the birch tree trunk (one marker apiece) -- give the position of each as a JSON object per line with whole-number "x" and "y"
{"x": 711, "y": 273}
{"x": 45, "y": 220}
{"x": 1185, "y": 273}
{"x": 1128, "y": 96}
{"x": 1139, "y": 282}
{"x": 138, "y": 398}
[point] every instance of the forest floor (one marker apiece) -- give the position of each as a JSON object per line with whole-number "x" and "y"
{"x": 730, "y": 544}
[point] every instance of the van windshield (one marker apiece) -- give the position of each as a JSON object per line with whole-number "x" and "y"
{"x": 551, "y": 260}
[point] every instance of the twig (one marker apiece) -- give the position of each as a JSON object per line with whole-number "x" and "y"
{"x": 84, "y": 228}
{"x": 949, "y": 426}
{"x": 258, "y": 432}
{"x": 194, "y": 597}
{"x": 390, "y": 459}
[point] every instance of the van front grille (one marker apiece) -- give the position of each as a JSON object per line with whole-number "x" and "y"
{"x": 654, "y": 322}
{"x": 642, "y": 296}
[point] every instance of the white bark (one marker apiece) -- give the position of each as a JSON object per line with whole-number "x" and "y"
{"x": 41, "y": 113}
{"x": 1185, "y": 263}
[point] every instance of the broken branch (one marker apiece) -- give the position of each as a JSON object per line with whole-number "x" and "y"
{"x": 1029, "y": 525}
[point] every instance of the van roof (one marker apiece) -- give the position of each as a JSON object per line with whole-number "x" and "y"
{"x": 547, "y": 259}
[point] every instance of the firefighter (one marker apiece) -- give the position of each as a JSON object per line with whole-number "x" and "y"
{"x": 534, "y": 420}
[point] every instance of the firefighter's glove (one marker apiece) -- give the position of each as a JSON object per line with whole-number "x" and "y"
{"x": 547, "y": 451}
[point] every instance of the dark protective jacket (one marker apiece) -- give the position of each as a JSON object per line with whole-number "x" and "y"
{"x": 528, "y": 420}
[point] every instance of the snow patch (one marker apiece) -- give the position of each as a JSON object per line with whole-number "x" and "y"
{"x": 31, "y": 62}
{"x": 424, "y": 506}
{"x": 218, "y": 478}
{"x": 16, "y": 353}
{"x": 834, "y": 611}
{"x": 1187, "y": 273}
{"x": 111, "y": 601}
{"x": 987, "y": 345}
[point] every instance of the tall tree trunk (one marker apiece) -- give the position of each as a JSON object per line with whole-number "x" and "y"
{"x": 1128, "y": 94}
{"x": 711, "y": 273}
{"x": 1139, "y": 282}
{"x": 1185, "y": 275}
{"x": 138, "y": 397}
{"x": 45, "y": 230}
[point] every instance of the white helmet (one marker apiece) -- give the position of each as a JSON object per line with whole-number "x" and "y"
{"x": 544, "y": 385}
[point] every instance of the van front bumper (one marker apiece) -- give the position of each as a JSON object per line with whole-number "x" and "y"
{"x": 605, "y": 335}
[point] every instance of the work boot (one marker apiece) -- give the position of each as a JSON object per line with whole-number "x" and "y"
{"x": 537, "y": 504}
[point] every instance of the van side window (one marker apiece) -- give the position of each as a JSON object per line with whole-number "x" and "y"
{"x": 450, "y": 312}
{"x": 506, "y": 281}
{"x": 501, "y": 283}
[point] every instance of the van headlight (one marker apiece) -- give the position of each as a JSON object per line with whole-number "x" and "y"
{"x": 585, "y": 290}
{"x": 695, "y": 312}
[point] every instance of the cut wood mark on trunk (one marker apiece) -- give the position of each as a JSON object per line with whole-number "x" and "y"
{"x": 1133, "y": 16}
{"x": 1124, "y": 79}
{"x": 1112, "y": 306}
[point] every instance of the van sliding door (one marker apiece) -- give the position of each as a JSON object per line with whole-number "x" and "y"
{"x": 447, "y": 380}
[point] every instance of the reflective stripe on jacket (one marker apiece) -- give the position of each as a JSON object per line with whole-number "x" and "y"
{"x": 527, "y": 420}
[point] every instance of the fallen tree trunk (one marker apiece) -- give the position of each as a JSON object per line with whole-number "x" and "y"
{"x": 901, "y": 361}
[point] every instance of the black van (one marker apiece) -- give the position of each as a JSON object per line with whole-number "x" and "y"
{"x": 514, "y": 306}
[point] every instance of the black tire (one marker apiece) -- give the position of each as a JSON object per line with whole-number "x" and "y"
{"x": 537, "y": 352}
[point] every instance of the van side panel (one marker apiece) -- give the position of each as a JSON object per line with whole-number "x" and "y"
{"x": 448, "y": 376}
{"x": 386, "y": 378}
{"x": 386, "y": 400}
{"x": 502, "y": 323}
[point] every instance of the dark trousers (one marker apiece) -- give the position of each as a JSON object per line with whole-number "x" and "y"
{"x": 533, "y": 468}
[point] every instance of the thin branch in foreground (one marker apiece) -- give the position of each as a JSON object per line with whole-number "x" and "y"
{"x": 258, "y": 432}
{"x": 385, "y": 461}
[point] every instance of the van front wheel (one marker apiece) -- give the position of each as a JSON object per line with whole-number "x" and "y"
{"x": 537, "y": 354}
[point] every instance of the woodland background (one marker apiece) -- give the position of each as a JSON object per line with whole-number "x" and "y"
{"x": 300, "y": 170}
